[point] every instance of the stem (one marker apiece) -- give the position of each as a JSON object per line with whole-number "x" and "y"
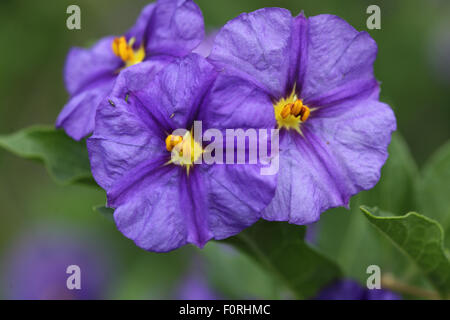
{"x": 389, "y": 282}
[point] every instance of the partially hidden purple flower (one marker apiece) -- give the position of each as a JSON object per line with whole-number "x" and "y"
{"x": 311, "y": 233}
{"x": 316, "y": 75}
{"x": 36, "y": 266}
{"x": 348, "y": 289}
{"x": 195, "y": 286}
{"x": 162, "y": 203}
{"x": 164, "y": 30}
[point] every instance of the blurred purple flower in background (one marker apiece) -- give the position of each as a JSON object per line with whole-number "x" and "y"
{"x": 165, "y": 29}
{"x": 316, "y": 76}
{"x": 351, "y": 290}
{"x": 35, "y": 267}
{"x": 195, "y": 286}
{"x": 311, "y": 233}
{"x": 439, "y": 50}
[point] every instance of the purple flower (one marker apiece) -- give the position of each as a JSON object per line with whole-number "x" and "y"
{"x": 160, "y": 203}
{"x": 165, "y": 29}
{"x": 351, "y": 290}
{"x": 316, "y": 74}
{"x": 36, "y": 267}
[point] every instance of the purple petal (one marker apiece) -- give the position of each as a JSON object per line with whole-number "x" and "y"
{"x": 352, "y": 90}
{"x": 122, "y": 140}
{"x": 140, "y": 28}
{"x": 339, "y": 155}
{"x": 176, "y": 28}
{"x": 193, "y": 197}
{"x": 337, "y": 56}
{"x": 176, "y": 92}
{"x": 299, "y": 51}
{"x": 148, "y": 210}
{"x": 204, "y": 49}
{"x": 161, "y": 208}
{"x": 236, "y": 103}
{"x": 237, "y": 195}
{"x": 304, "y": 187}
{"x": 257, "y": 46}
{"x": 358, "y": 137}
{"x": 86, "y": 66}
{"x": 131, "y": 128}
{"x": 78, "y": 115}
{"x": 139, "y": 76}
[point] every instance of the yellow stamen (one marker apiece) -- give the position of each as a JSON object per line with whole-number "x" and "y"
{"x": 184, "y": 150}
{"x": 304, "y": 114}
{"x": 287, "y": 109}
{"x": 172, "y": 141}
{"x": 290, "y": 112}
{"x": 124, "y": 50}
{"x": 297, "y": 108}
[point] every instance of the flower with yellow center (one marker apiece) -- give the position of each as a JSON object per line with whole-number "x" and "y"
{"x": 124, "y": 50}
{"x": 184, "y": 150}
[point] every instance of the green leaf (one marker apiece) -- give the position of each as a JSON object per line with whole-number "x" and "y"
{"x": 345, "y": 236}
{"x": 279, "y": 247}
{"x": 421, "y": 239}
{"x": 238, "y": 276}
{"x": 153, "y": 276}
{"x": 66, "y": 159}
{"x": 433, "y": 189}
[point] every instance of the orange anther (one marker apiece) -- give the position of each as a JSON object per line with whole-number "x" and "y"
{"x": 172, "y": 141}
{"x": 297, "y": 108}
{"x": 304, "y": 113}
{"x": 122, "y": 49}
{"x": 287, "y": 109}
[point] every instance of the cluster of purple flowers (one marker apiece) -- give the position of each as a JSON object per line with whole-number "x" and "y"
{"x": 311, "y": 78}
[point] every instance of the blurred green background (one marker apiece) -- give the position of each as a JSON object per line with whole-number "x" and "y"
{"x": 413, "y": 65}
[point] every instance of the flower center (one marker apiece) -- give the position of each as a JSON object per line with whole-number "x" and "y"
{"x": 290, "y": 112}
{"x": 124, "y": 50}
{"x": 184, "y": 149}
